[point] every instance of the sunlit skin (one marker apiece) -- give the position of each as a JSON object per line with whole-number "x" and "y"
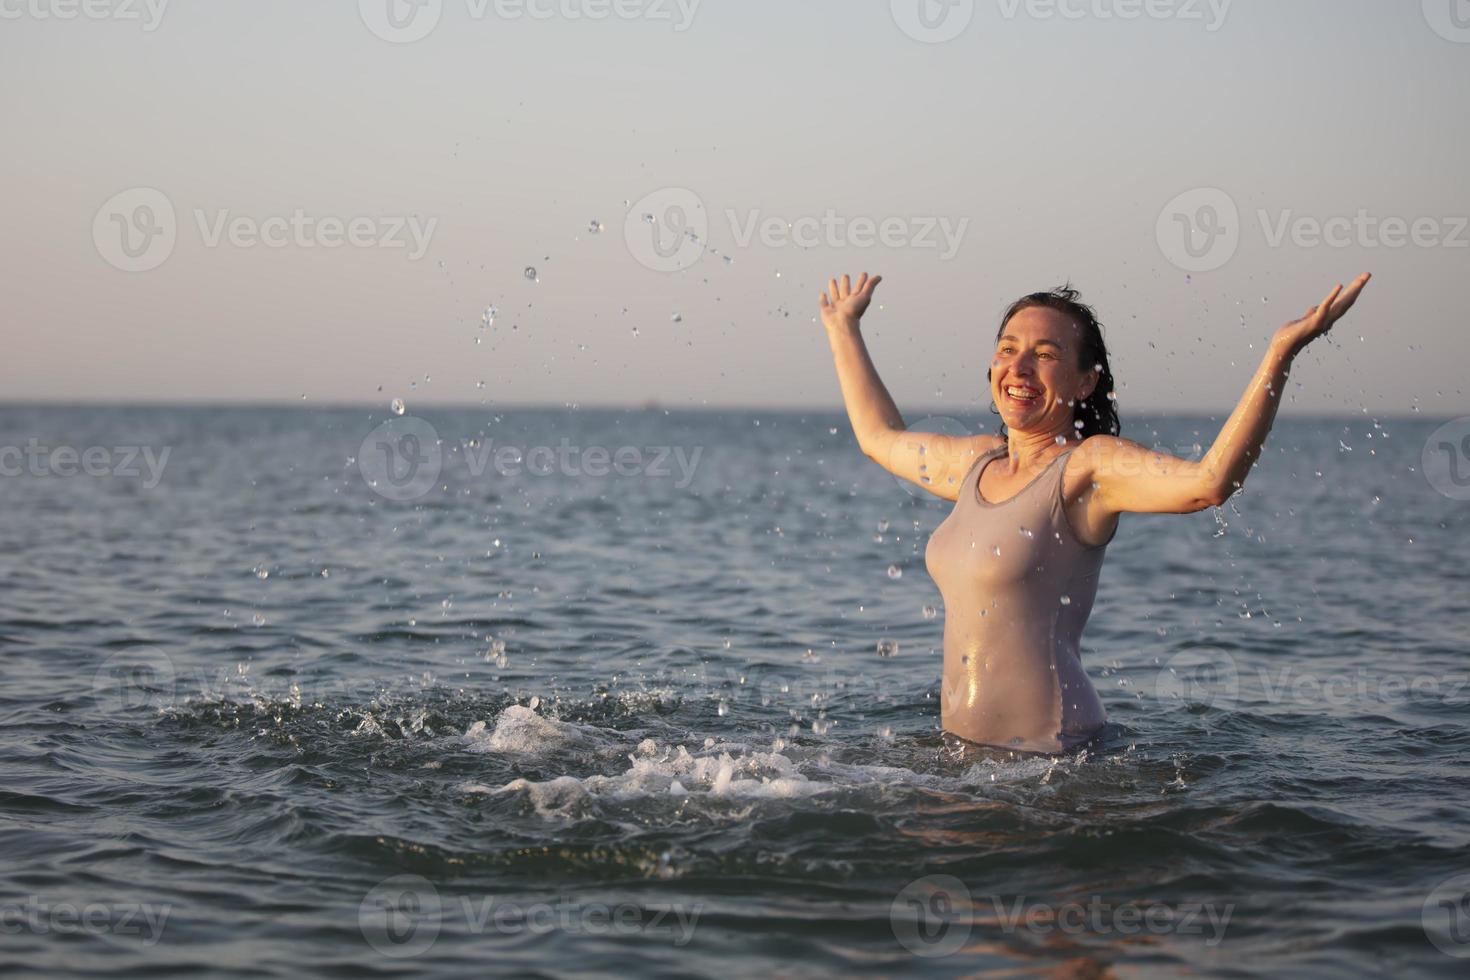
{"x": 1041, "y": 349}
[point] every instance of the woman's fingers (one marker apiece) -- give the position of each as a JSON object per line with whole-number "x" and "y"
{"x": 838, "y": 292}
{"x": 1350, "y": 296}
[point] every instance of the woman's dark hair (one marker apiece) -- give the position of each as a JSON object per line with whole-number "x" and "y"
{"x": 1098, "y": 413}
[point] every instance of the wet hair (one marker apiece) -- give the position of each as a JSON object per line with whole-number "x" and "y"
{"x": 1098, "y": 413}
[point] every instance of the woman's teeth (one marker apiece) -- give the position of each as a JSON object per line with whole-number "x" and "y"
{"x": 1023, "y": 394}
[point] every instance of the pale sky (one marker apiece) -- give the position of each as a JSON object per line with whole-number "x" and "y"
{"x": 1048, "y": 141}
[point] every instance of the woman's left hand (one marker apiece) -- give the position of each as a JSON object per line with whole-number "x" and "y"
{"x": 1318, "y": 320}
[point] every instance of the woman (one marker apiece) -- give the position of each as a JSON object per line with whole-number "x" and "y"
{"x": 1018, "y": 558}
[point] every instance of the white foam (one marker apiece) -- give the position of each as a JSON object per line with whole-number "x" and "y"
{"x": 521, "y": 731}
{"x": 720, "y": 772}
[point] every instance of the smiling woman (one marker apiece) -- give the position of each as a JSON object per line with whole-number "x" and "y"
{"x": 1018, "y": 559}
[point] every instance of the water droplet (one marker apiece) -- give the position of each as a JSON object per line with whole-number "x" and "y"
{"x": 258, "y": 619}
{"x": 1026, "y": 532}
{"x": 677, "y": 318}
{"x": 261, "y": 572}
{"x": 531, "y": 274}
{"x": 635, "y": 331}
{"x": 398, "y": 407}
{"x": 1066, "y": 600}
{"x": 723, "y": 709}
{"x": 487, "y": 319}
{"x": 1062, "y": 440}
{"x": 883, "y": 526}
{"x": 887, "y": 648}
{"x": 895, "y": 572}
{"x": 996, "y": 550}
{"x": 594, "y": 226}
{"x": 930, "y": 612}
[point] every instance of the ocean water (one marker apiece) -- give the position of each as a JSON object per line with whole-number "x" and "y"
{"x": 307, "y": 695}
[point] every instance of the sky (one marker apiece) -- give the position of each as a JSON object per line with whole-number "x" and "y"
{"x": 270, "y": 200}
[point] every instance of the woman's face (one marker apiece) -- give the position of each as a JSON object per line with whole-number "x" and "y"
{"x": 1034, "y": 371}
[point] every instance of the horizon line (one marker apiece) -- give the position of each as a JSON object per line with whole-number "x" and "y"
{"x": 652, "y": 405}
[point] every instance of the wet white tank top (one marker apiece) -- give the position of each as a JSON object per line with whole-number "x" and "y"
{"x": 1018, "y": 587}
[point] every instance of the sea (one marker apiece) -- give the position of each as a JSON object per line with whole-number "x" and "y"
{"x": 397, "y": 690}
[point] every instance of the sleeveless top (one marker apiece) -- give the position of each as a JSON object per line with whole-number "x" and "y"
{"x": 1018, "y": 587}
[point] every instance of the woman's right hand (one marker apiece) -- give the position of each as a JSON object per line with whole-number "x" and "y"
{"x": 843, "y": 305}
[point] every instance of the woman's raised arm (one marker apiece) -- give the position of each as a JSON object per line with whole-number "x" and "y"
{"x": 1130, "y": 478}
{"x": 933, "y": 461}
